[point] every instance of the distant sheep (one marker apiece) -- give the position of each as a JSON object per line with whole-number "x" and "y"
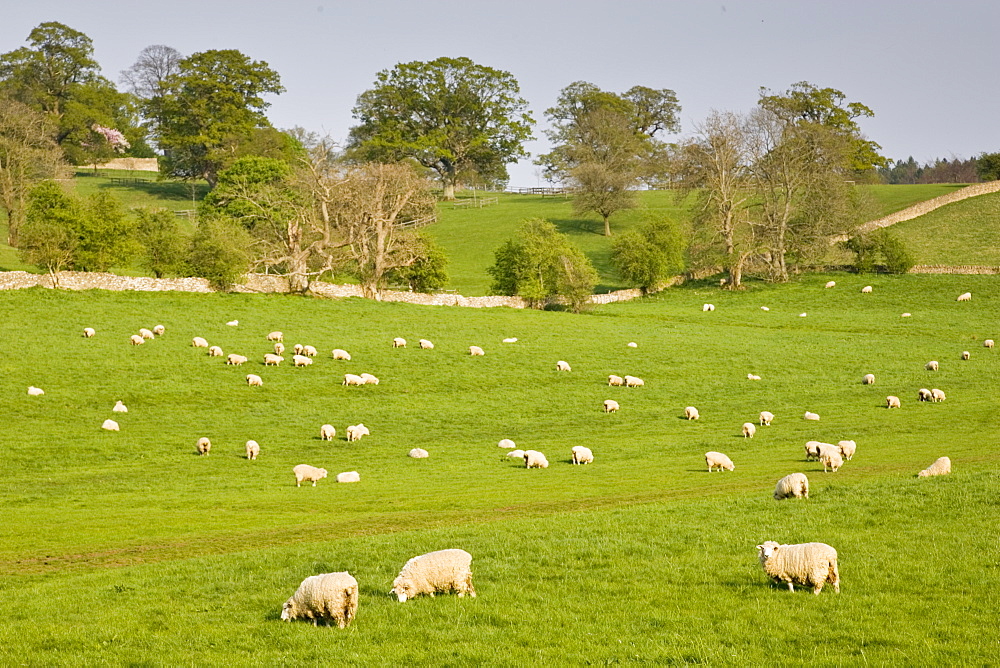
{"x": 632, "y": 344}
{"x": 120, "y": 407}
{"x": 353, "y": 379}
{"x": 708, "y": 307}
{"x": 831, "y": 459}
{"x": 275, "y": 336}
{"x": 516, "y": 454}
{"x": 301, "y": 360}
{"x": 633, "y": 381}
{"x": 535, "y": 460}
{"x": 847, "y": 449}
{"x": 616, "y": 381}
{"x": 582, "y": 455}
{"x": 562, "y": 366}
{"x": 159, "y": 330}
{"x": 110, "y": 425}
{"x": 752, "y": 376}
{"x": 425, "y": 344}
{"x": 802, "y": 315}
{"x": 198, "y": 342}
{"x": 813, "y": 448}
{"x": 356, "y": 431}
{"x": 691, "y": 413}
{"x": 329, "y": 597}
{"x": 765, "y": 418}
{"x": 136, "y": 340}
{"x": 89, "y": 332}
{"x": 923, "y": 394}
{"x": 764, "y": 308}
{"x": 398, "y": 342}
{"x": 369, "y": 379}
{"x": 215, "y": 351}
{"x": 279, "y": 348}
{"x": 966, "y": 355}
{"x": 810, "y": 416}
{"x": 327, "y": 432}
{"x": 510, "y": 340}
{"x": 305, "y": 473}
{"x": 964, "y": 297}
{"x": 298, "y": 349}
{"x": 204, "y": 445}
{"x": 794, "y": 485}
{"x": 271, "y": 359}
{"x": 236, "y": 360}
{"x": 941, "y": 466}
{"x": 254, "y": 380}
{"x": 349, "y": 476}
{"x": 610, "y": 406}
{"x": 476, "y": 351}
{"x": 904, "y": 315}
{"x": 718, "y": 460}
{"x": 233, "y": 323}
{"x": 931, "y": 366}
{"x": 253, "y": 449}
{"x": 831, "y": 284}
{"x": 937, "y": 395}
{"x": 442, "y": 571}
{"x": 806, "y": 564}
{"x": 869, "y": 379}
{"x": 866, "y": 290}
{"x": 506, "y": 443}
{"x": 146, "y": 334}
{"x": 35, "y": 391}
{"x": 988, "y": 343}
{"x": 419, "y": 453}
{"x": 892, "y": 401}
{"x": 749, "y": 429}
{"x": 339, "y": 354}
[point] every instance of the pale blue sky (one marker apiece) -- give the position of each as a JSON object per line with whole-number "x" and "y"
{"x": 929, "y": 70}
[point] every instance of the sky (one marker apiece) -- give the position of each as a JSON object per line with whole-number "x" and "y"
{"x": 929, "y": 70}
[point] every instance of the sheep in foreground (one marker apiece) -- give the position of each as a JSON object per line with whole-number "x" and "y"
{"x": 869, "y": 379}
{"x": 425, "y": 344}
{"x": 718, "y": 460}
{"x": 806, "y": 564}
{"x": 356, "y": 431}
{"x": 794, "y": 485}
{"x": 369, "y": 379}
{"x": 120, "y": 407}
{"x": 35, "y": 391}
{"x": 476, "y": 351}
{"x": 279, "y": 348}
{"x": 923, "y": 394}
{"x": 110, "y": 425}
{"x": 273, "y": 360}
{"x": 353, "y": 379}
{"x": 330, "y": 597}
{"x": 275, "y": 336}
{"x": 159, "y": 330}
{"x": 146, "y": 334}
{"x": 204, "y": 445}
{"x": 419, "y": 453}
{"x": 441, "y": 571}
{"x": 136, "y": 340}
{"x": 941, "y": 466}
{"x": 633, "y": 381}
{"x": 966, "y": 355}
{"x": 254, "y": 380}
{"x": 215, "y": 351}
{"x": 399, "y": 342}
{"x": 691, "y": 413}
{"x": 866, "y": 290}
{"x": 339, "y": 354}
{"x": 199, "y": 342}
{"x": 810, "y": 416}
{"x": 831, "y": 284}
{"x": 327, "y": 432}
{"x": 964, "y": 297}
{"x": 708, "y": 307}
{"x": 253, "y": 449}
{"x": 988, "y": 343}
{"x": 615, "y": 381}
{"x": 749, "y": 429}
{"x": 931, "y": 366}
{"x": 562, "y": 366}
{"x": 765, "y": 418}
{"x": 516, "y": 454}
{"x": 892, "y": 401}
{"x": 610, "y": 406}
{"x": 236, "y": 360}
{"x": 506, "y": 443}
{"x": 535, "y": 460}
{"x": 89, "y": 332}
{"x": 349, "y": 476}
{"x": 830, "y": 458}
{"x": 301, "y": 360}
{"x": 847, "y": 449}
{"x": 582, "y": 455}
{"x": 305, "y": 473}
{"x": 937, "y": 395}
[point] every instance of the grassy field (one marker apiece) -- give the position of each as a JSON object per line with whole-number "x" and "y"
{"x": 966, "y": 232}
{"x": 128, "y": 548}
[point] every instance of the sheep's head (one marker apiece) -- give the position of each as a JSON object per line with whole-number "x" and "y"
{"x": 402, "y": 590}
{"x": 321, "y": 474}
{"x": 288, "y": 609}
{"x": 768, "y": 549}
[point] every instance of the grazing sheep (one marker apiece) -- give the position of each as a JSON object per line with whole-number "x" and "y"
{"x": 198, "y": 342}
{"x": 327, "y": 432}
{"x": 339, "y": 354}
{"x": 369, "y": 379}
{"x": 632, "y": 381}
{"x": 425, "y": 344}
{"x": 441, "y": 571}
{"x": 136, "y": 340}
{"x": 937, "y": 395}
{"x": 830, "y": 284}
{"x": 806, "y": 564}
{"x": 215, "y": 351}
{"x": 236, "y": 360}
{"x": 718, "y": 460}
{"x": 749, "y": 429}
{"x": 476, "y": 351}
{"x": 752, "y": 376}
{"x": 273, "y": 360}
{"x": 866, "y": 290}
{"x": 146, "y": 334}
{"x": 506, "y": 443}
{"x": 35, "y": 391}
{"x": 398, "y": 342}
{"x": 349, "y": 476}
{"x": 88, "y": 332}
{"x": 309, "y": 351}
{"x": 964, "y": 297}
{"x": 611, "y": 406}
{"x": 966, "y": 355}
{"x": 119, "y": 408}
{"x": 331, "y": 597}
{"x": 813, "y": 448}
{"x": 159, "y": 330}
{"x": 632, "y": 344}
{"x": 356, "y": 431}
{"x": 892, "y": 402}
{"x": 923, "y": 394}
{"x": 931, "y": 366}
{"x": 562, "y": 366}
{"x": 253, "y": 449}
{"x": 941, "y": 466}
{"x": 988, "y": 343}
{"x": 535, "y": 460}
{"x": 306, "y": 473}
{"x": 810, "y": 416}
{"x": 582, "y": 455}
{"x": 419, "y": 453}
{"x": 708, "y": 307}
{"x": 869, "y": 379}
{"x": 298, "y": 348}
{"x": 792, "y": 485}
{"x": 517, "y": 454}
{"x": 275, "y": 336}
{"x": 691, "y": 413}
{"x": 204, "y": 445}
{"x": 510, "y": 340}
{"x": 254, "y": 380}
{"x": 616, "y": 381}
{"x": 764, "y": 308}
{"x": 847, "y": 449}
{"x": 109, "y": 425}
{"x": 831, "y": 459}
{"x": 279, "y": 348}
{"x": 904, "y": 315}
{"x": 301, "y": 360}
{"x": 353, "y": 379}
{"x": 803, "y": 315}
{"x": 765, "y": 418}
{"x": 233, "y": 323}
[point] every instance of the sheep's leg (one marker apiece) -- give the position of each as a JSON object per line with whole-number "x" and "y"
{"x": 791, "y": 587}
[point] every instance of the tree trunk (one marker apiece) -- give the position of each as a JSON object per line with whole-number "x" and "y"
{"x": 607, "y": 226}
{"x": 735, "y": 281}
{"x": 449, "y": 191}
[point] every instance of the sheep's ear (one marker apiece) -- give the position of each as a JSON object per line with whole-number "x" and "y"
{"x": 760, "y": 547}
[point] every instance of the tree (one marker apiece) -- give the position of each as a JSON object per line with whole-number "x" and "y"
{"x": 48, "y": 238}
{"x": 450, "y": 115}
{"x": 28, "y": 155}
{"x": 147, "y": 77}
{"x": 164, "y": 247}
{"x": 648, "y": 255}
{"x": 429, "y": 271}
{"x": 211, "y": 104}
{"x": 220, "y": 252}
{"x": 105, "y": 233}
{"x": 988, "y": 166}
{"x": 882, "y": 245}
{"x": 542, "y": 266}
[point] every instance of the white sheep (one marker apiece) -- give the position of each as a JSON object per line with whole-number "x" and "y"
{"x": 510, "y": 340}
{"x": 254, "y": 380}
{"x": 562, "y": 366}
{"x": 718, "y": 460}
{"x": 306, "y": 473}
{"x": 964, "y": 297}
{"x": 752, "y": 376}
{"x": 353, "y": 379}
{"x": 923, "y": 394}
{"x": 941, "y": 466}
{"x": 691, "y": 413}
{"x": 146, "y": 334}
{"x": 279, "y": 348}
{"x": 330, "y": 597}
{"x": 869, "y": 379}
{"x": 301, "y": 360}
{"x": 830, "y": 458}
{"x": 233, "y": 323}
{"x": 847, "y": 449}
{"x": 253, "y": 449}
{"x": 419, "y": 453}
{"x": 506, "y": 443}
{"x": 399, "y": 342}
{"x": 369, "y": 379}
{"x": 966, "y": 355}
{"x": 792, "y": 485}
{"x": 765, "y": 418}
{"x": 813, "y": 449}
{"x": 298, "y": 348}
{"x": 749, "y": 429}
{"x": 440, "y": 571}
{"x": 611, "y": 406}
{"x": 271, "y": 359}
{"x": 988, "y": 343}
{"x": 339, "y": 354}
{"x": 476, "y": 351}
{"x": 632, "y": 344}
{"x": 349, "y": 476}
{"x": 204, "y": 445}
{"x": 275, "y": 336}
{"x": 904, "y": 315}
{"x": 931, "y": 366}
{"x": 120, "y": 407}
{"x": 810, "y": 416}
{"x": 516, "y": 454}
{"x": 937, "y": 395}
{"x": 535, "y": 460}
{"x": 110, "y": 425}
{"x": 708, "y": 307}
{"x": 159, "y": 330}
{"x": 806, "y": 564}
{"x": 236, "y": 360}
{"x": 327, "y": 432}
{"x": 89, "y": 332}
{"x": 215, "y": 351}
{"x": 803, "y": 315}
{"x": 866, "y": 290}
{"x": 199, "y": 342}
{"x": 425, "y": 344}
{"x": 136, "y": 340}
{"x": 831, "y": 284}
{"x": 582, "y": 455}
{"x": 616, "y": 381}
{"x": 764, "y": 308}
{"x": 633, "y": 381}
{"x": 35, "y": 391}
{"x": 892, "y": 401}
{"x": 356, "y": 431}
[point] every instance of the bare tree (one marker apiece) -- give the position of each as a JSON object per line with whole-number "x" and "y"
{"x": 146, "y": 77}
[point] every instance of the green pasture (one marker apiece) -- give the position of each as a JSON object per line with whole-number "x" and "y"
{"x": 965, "y": 232}
{"x": 129, "y": 548}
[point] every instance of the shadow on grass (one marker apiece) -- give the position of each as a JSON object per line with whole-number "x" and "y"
{"x": 166, "y": 190}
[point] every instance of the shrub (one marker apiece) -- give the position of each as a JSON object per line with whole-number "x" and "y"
{"x": 164, "y": 247}
{"x": 220, "y": 252}
{"x": 649, "y": 254}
